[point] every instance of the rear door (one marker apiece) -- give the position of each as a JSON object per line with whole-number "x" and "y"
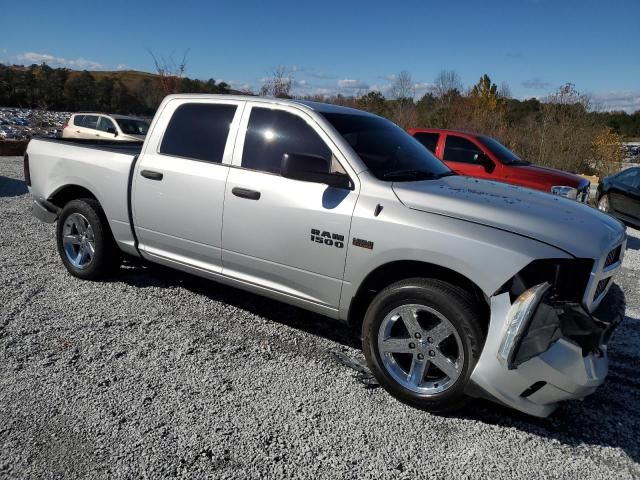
{"x": 180, "y": 181}
{"x": 287, "y": 235}
{"x": 84, "y": 126}
{"x": 463, "y": 156}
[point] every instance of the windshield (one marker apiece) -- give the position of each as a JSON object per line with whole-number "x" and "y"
{"x": 132, "y": 126}
{"x": 389, "y": 152}
{"x": 505, "y": 155}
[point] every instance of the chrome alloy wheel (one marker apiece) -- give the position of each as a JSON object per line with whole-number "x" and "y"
{"x": 78, "y": 240}
{"x": 420, "y": 349}
{"x": 603, "y": 204}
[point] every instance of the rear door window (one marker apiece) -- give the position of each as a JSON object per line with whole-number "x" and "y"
{"x": 198, "y": 131}
{"x": 89, "y": 121}
{"x": 458, "y": 149}
{"x": 428, "y": 139}
{"x": 272, "y": 133}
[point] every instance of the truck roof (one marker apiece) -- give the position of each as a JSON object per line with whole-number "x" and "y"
{"x": 319, "y": 107}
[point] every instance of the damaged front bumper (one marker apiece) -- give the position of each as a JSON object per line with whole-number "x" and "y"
{"x": 559, "y": 353}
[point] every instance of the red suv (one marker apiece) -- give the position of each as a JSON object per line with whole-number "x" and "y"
{"x": 484, "y": 157}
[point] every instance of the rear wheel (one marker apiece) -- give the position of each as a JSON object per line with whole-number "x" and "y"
{"x": 85, "y": 243}
{"x": 603, "y": 203}
{"x": 422, "y": 338}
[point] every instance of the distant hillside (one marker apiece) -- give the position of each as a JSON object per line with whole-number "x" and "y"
{"x": 119, "y": 91}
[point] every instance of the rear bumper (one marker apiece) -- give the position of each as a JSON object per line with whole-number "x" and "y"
{"x": 562, "y": 372}
{"x": 44, "y": 212}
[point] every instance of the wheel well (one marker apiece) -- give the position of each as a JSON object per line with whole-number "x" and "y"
{"x": 67, "y": 193}
{"x": 389, "y": 273}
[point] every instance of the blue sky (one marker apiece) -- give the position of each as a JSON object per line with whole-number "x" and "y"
{"x": 346, "y": 46}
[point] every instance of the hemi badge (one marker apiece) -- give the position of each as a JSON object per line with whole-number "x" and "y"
{"x": 358, "y": 242}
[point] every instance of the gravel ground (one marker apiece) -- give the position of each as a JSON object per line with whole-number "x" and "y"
{"x": 160, "y": 374}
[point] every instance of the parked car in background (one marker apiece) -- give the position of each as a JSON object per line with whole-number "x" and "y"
{"x": 619, "y": 195}
{"x": 100, "y": 126}
{"x": 481, "y": 156}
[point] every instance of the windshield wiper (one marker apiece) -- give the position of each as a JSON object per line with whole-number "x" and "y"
{"x": 411, "y": 174}
{"x": 415, "y": 174}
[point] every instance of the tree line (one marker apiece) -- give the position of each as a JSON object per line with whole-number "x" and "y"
{"x": 562, "y": 130}
{"x": 43, "y": 87}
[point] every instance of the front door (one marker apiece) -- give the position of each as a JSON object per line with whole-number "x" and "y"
{"x": 179, "y": 183}
{"x": 283, "y": 234}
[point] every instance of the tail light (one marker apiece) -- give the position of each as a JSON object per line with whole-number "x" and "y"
{"x": 27, "y": 173}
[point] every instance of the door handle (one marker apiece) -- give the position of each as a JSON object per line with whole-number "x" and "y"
{"x": 246, "y": 193}
{"x": 151, "y": 175}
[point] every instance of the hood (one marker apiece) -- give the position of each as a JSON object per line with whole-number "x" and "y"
{"x": 539, "y": 174}
{"x": 571, "y": 226}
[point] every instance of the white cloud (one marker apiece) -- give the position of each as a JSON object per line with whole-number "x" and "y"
{"x": 350, "y": 83}
{"x": 629, "y": 101}
{"x": 423, "y": 87}
{"x": 536, "y": 84}
{"x": 122, "y": 66}
{"x": 53, "y": 61}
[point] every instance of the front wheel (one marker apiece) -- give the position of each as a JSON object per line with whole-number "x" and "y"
{"x": 603, "y": 203}
{"x": 85, "y": 242}
{"x": 422, "y": 338}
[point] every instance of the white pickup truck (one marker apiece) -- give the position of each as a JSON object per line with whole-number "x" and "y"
{"x": 460, "y": 287}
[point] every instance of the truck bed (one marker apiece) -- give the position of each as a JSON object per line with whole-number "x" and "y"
{"x": 102, "y": 168}
{"x": 128, "y": 148}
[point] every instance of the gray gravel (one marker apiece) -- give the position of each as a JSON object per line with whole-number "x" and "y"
{"x": 160, "y": 374}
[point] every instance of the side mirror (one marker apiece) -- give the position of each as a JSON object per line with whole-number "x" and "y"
{"x": 311, "y": 168}
{"x": 112, "y": 130}
{"x": 484, "y": 160}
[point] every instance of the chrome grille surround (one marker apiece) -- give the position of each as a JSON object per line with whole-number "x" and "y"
{"x": 604, "y": 268}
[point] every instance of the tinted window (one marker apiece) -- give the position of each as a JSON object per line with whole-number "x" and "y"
{"x": 458, "y": 149}
{"x": 272, "y": 133}
{"x": 132, "y": 126}
{"x": 199, "y": 131}
{"x": 505, "y": 155}
{"x": 105, "y": 124}
{"x": 429, "y": 140}
{"x": 87, "y": 121}
{"x": 388, "y": 151}
{"x": 630, "y": 178}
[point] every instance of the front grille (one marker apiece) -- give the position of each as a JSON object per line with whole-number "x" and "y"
{"x": 613, "y": 256}
{"x": 602, "y": 286}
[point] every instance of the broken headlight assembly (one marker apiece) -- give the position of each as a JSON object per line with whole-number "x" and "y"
{"x": 550, "y": 309}
{"x": 518, "y": 318}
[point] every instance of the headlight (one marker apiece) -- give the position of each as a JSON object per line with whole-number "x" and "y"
{"x": 564, "y": 191}
{"x": 518, "y": 318}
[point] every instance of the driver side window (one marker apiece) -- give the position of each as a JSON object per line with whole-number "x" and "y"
{"x": 272, "y": 133}
{"x": 458, "y": 149}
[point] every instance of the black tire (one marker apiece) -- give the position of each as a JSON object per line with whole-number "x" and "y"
{"x": 106, "y": 257}
{"x": 462, "y": 312}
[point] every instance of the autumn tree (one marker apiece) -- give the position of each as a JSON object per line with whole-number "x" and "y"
{"x": 608, "y": 152}
{"x": 566, "y": 130}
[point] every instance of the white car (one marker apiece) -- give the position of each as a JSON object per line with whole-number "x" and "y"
{"x": 99, "y": 126}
